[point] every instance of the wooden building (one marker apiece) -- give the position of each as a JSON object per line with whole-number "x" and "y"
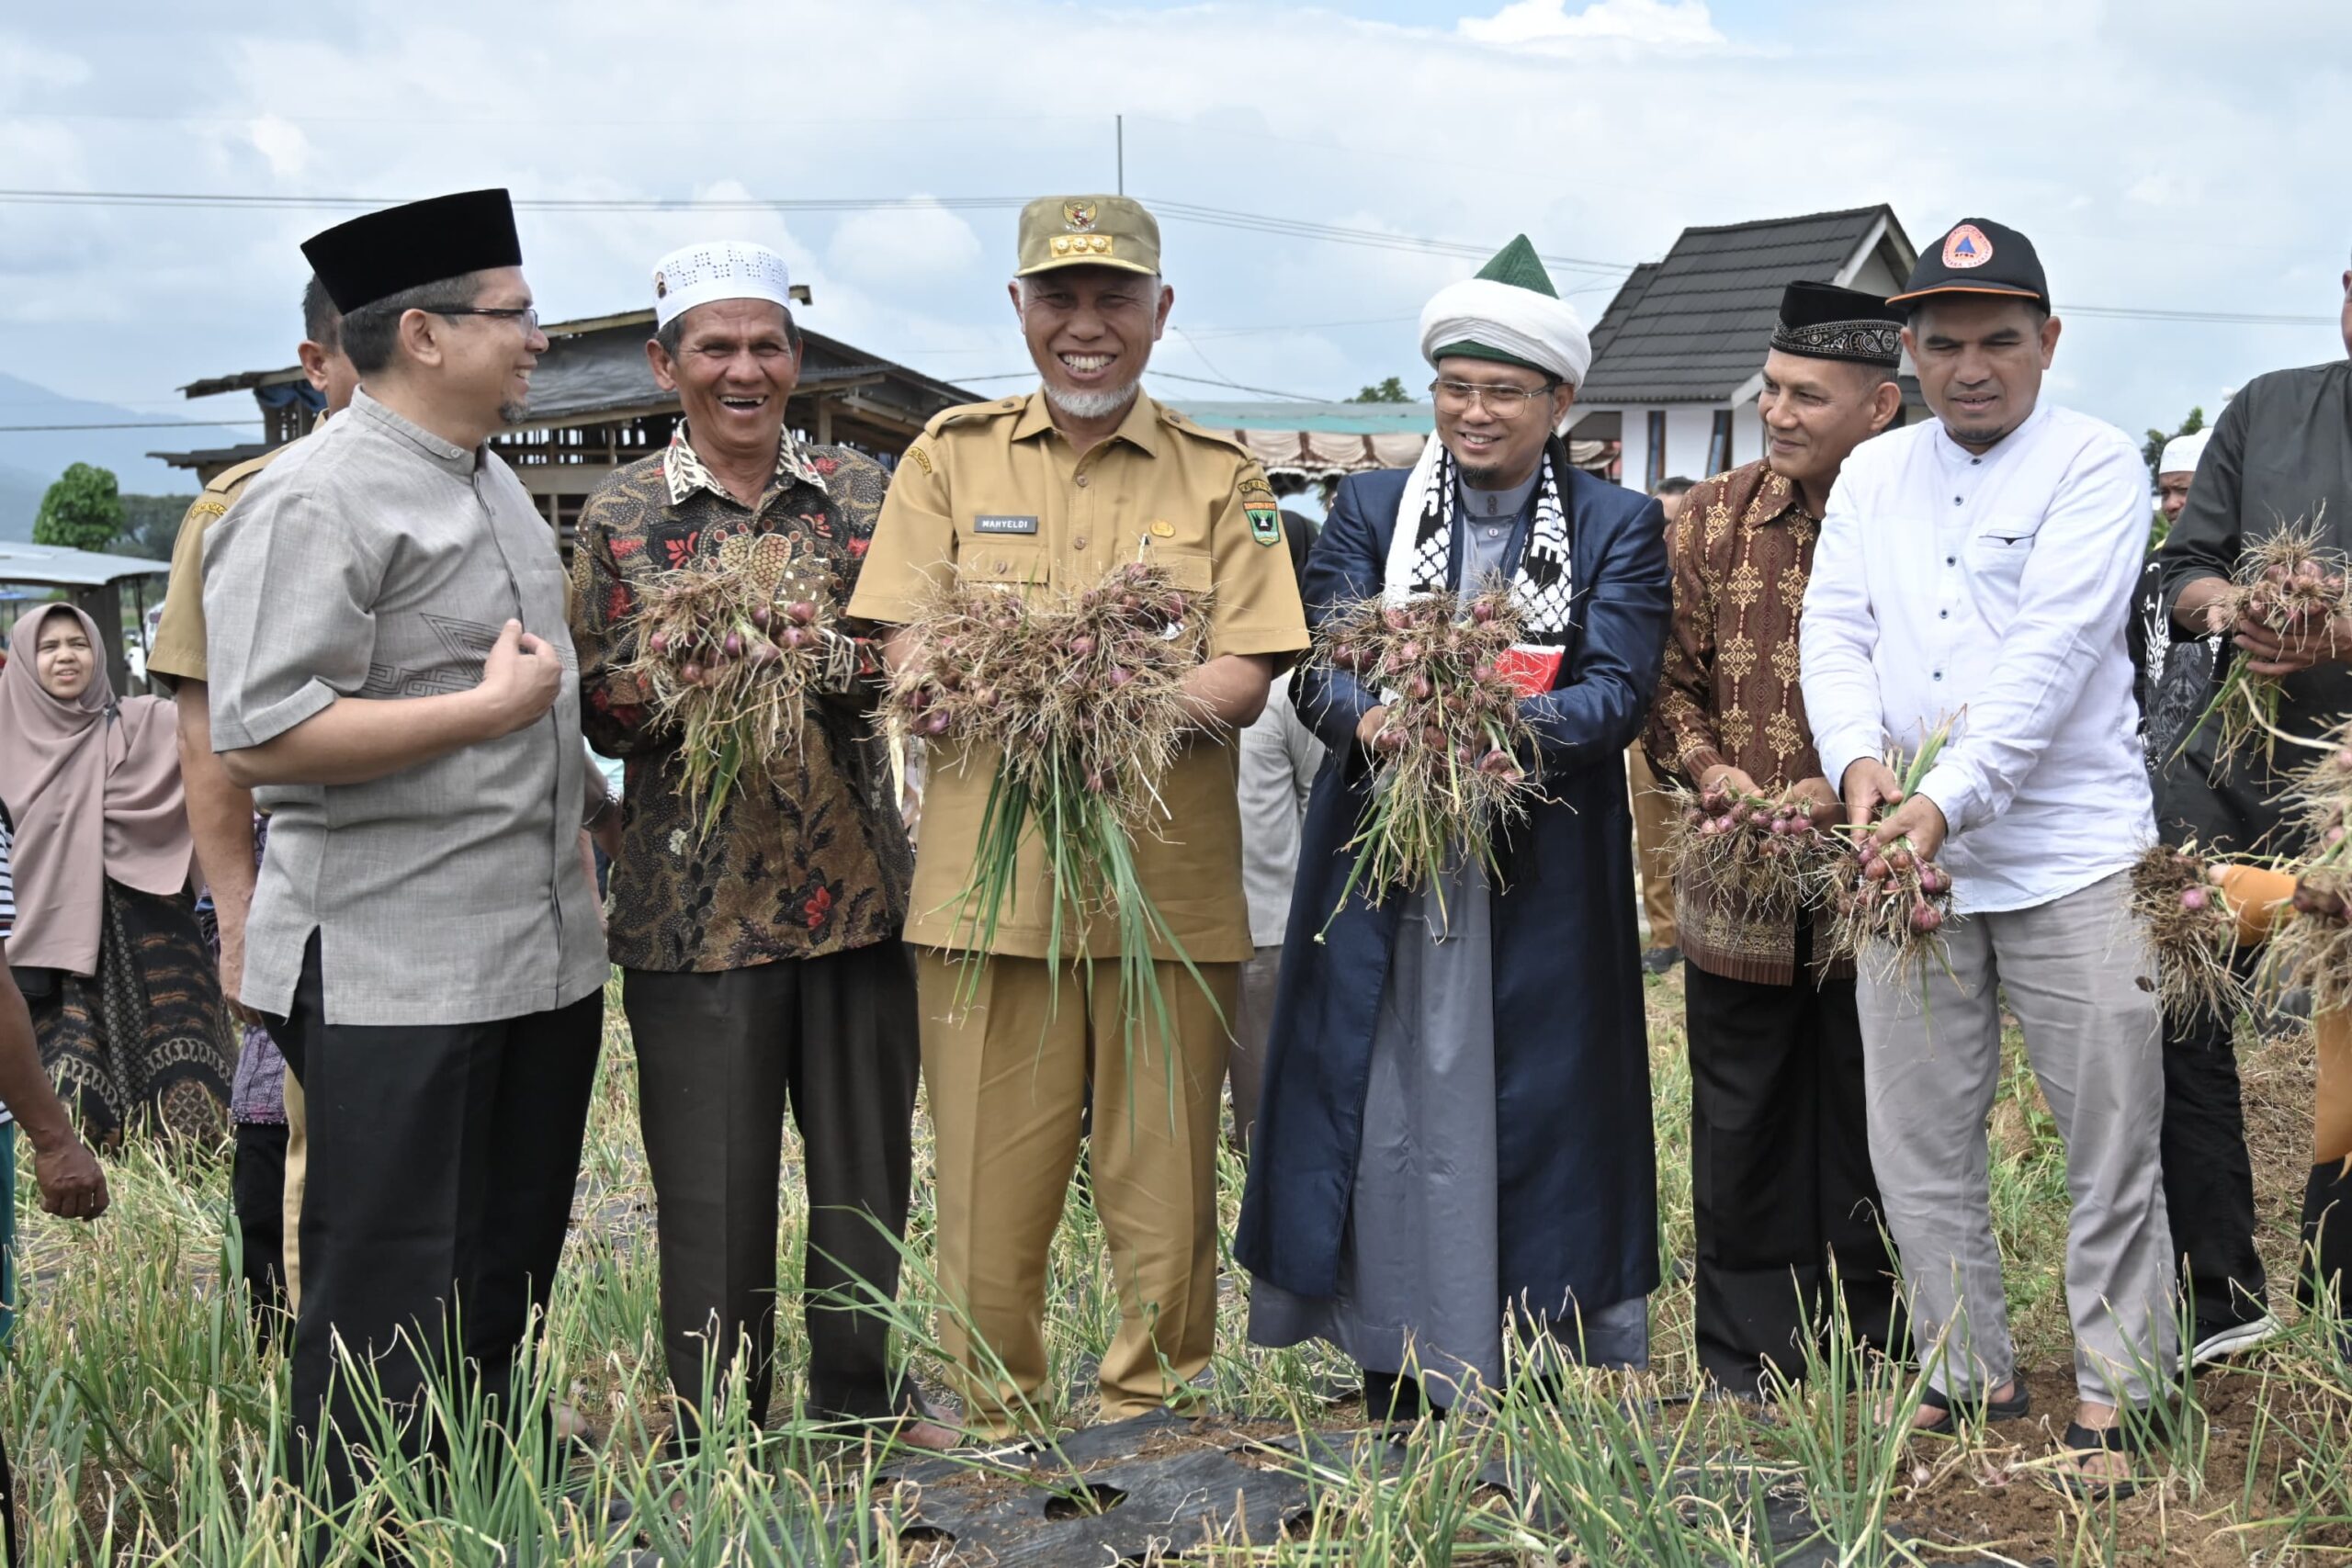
{"x": 594, "y": 407}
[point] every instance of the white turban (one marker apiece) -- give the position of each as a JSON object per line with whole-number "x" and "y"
{"x": 1533, "y": 328}
{"x": 2183, "y": 453}
{"x": 717, "y": 269}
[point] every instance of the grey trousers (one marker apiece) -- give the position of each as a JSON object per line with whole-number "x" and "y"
{"x": 719, "y": 1056}
{"x": 1252, "y": 1022}
{"x": 2072, "y": 970}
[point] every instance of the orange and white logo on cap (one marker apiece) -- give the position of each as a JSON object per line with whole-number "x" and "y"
{"x": 1967, "y": 246}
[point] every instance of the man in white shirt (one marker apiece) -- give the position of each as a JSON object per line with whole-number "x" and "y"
{"x": 1977, "y": 568}
{"x": 1280, "y": 757}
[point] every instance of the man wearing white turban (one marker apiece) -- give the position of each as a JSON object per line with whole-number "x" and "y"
{"x": 1445, "y": 1142}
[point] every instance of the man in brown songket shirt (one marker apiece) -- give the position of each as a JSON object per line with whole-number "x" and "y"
{"x": 760, "y": 950}
{"x": 1781, "y": 1190}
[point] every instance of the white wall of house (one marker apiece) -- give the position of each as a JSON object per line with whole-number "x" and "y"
{"x": 1874, "y": 276}
{"x": 1688, "y": 427}
{"x": 1746, "y": 434}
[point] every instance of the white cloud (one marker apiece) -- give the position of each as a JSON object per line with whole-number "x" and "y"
{"x": 1661, "y": 23}
{"x": 24, "y": 65}
{"x": 1600, "y": 127}
{"x": 907, "y": 244}
{"x": 282, "y": 143}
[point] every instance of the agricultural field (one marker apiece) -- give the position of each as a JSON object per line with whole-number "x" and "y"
{"x": 145, "y": 1428}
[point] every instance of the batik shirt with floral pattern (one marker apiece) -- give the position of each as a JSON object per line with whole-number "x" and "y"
{"x": 811, "y": 859}
{"x": 1742, "y": 552}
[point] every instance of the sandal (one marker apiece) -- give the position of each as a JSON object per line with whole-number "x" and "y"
{"x": 1955, "y": 1408}
{"x": 2082, "y": 1439}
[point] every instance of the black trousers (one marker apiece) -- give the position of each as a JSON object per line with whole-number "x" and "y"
{"x": 2327, "y": 1239}
{"x": 442, "y": 1164}
{"x": 2209, "y": 1175}
{"x": 1780, "y": 1180}
{"x": 719, "y": 1059}
{"x": 257, "y": 1193}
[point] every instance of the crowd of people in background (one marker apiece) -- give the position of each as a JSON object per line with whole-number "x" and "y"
{"x": 351, "y": 895}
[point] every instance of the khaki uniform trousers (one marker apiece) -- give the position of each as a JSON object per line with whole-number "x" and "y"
{"x": 1653, "y": 821}
{"x": 297, "y": 1169}
{"x": 1008, "y": 1080}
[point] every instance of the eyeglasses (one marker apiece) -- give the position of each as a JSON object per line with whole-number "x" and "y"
{"x": 525, "y": 316}
{"x": 1503, "y": 402}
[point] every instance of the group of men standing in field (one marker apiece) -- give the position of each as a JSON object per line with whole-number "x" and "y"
{"x": 1451, "y": 1166}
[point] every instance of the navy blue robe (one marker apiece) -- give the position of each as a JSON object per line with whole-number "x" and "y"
{"x": 1575, "y": 1160}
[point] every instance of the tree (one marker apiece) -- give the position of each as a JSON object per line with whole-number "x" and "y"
{"x": 1389, "y": 391}
{"x": 151, "y": 524}
{"x": 2153, "y": 449}
{"x": 83, "y": 511}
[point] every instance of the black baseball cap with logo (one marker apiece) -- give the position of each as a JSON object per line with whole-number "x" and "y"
{"x": 1977, "y": 255}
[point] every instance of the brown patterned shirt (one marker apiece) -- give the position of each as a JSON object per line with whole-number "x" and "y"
{"x": 813, "y": 858}
{"x": 1742, "y": 550}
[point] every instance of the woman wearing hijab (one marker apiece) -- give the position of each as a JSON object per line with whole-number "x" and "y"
{"x": 125, "y": 999}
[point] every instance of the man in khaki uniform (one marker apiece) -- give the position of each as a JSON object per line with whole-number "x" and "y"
{"x": 1053, "y": 490}
{"x": 266, "y": 1181}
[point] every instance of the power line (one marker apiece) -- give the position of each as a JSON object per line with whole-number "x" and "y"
{"x": 1181, "y": 211}
{"x": 1166, "y": 374}
{"x": 1176, "y": 210}
{"x": 2232, "y": 318}
{"x": 156, "y": 425}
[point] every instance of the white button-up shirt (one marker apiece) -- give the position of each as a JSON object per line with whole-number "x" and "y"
{"x": 1992, "y": 587}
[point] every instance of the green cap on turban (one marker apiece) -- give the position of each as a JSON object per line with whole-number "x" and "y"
{"x": 1518, "y": 266}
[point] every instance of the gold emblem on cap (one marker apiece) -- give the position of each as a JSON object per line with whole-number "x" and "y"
{"x": 1162, "y": 529}
{"x": 1078, "y": 215}
{"x": 1079, "y": 244}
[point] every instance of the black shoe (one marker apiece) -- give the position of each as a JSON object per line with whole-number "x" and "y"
{"x": 1394, "y": 1401}
{"x": 1658, "y": 960}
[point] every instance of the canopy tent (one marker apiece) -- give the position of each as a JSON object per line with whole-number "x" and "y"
{"x": 53, "y": 566}
{"x": 1328, "y": 441}
{"x": 89, "y": 579}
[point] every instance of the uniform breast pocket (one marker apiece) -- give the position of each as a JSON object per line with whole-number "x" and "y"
{"x": 1192, "y": 570}
{"x": 1018, "y": 566}
{"x": 1996, "y": 556}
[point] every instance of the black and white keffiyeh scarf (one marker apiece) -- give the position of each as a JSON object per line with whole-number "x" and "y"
{"x": 1421, "y": 550}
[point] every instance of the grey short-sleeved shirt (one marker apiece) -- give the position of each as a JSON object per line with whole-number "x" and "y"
{"x": 377, "y": 561}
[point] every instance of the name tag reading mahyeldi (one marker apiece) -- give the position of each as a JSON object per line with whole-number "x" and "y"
{"x": 986, "y": 524}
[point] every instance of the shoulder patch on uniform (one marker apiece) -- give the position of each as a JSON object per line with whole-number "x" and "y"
{"x": 966, "y": 413}
{"x": 1255, "y": 484}
{"x": 919, "y": 457}
{"x": 1265, "y": 523}
{"x": 206, "y": 508}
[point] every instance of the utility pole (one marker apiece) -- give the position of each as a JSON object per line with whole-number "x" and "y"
{"x": 1120, "y": 124}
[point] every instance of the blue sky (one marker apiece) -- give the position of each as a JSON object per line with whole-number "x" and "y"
{"x": 2157, "y": 159}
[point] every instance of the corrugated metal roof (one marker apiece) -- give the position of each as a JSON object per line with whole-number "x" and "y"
{"x": 50, "y": 566}
{"x": 1692, "y": 328}
{"x": 1327, "y": 419}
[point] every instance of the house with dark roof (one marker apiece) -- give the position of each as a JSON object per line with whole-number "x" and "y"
{"x": 1678, "y": 357}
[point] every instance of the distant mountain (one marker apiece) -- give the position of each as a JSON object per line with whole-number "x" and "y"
{"x": 30, "y": 460}
{"x": 20, "y": 494}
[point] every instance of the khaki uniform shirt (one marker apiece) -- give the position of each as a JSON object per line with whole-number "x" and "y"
{"x": 179, "y": 653}
{"x": 993, "y": 492}
{"x": 378, "y": 561}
